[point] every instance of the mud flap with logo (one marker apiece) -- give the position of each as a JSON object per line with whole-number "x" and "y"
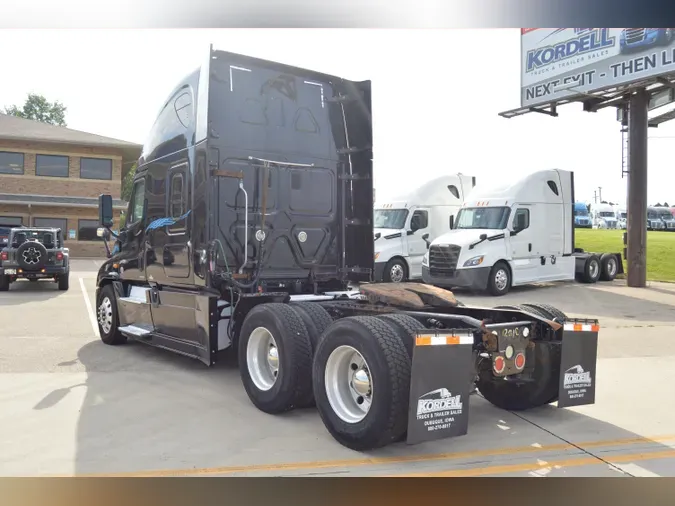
{"x": 578, "y": 363}
{"x": 441, "y": 381}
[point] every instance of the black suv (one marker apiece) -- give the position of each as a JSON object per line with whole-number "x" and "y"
{"x": 33, "y": 254}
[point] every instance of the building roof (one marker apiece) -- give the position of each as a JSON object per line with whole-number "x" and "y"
{"x": 20, "y": 129}
{"x": 49, "y": 200}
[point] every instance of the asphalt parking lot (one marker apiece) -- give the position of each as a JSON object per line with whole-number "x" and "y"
{"x": 71, "y": 405}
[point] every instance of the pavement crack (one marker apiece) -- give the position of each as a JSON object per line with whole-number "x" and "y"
{"x": 587, "y": 452}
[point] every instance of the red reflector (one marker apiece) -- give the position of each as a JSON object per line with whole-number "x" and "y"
{"x": 520, "y": 361}
{"x": 59, "y": 256}
{"x": 4, "y": 255}
{"x": 499, "y": 364}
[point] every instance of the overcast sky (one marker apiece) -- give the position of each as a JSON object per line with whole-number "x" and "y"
{"x": 436, "y": 96}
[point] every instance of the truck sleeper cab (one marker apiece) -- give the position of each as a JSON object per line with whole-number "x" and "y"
{"x": 405, "y": 226}
{"x": 513, "y": 235}
{"x": 250, "y": 216}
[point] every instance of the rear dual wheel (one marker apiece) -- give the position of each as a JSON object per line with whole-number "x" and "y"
{"x": 359, "y": 376}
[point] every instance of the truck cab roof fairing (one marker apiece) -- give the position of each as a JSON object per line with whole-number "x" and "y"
{"x": 175, "y": 125}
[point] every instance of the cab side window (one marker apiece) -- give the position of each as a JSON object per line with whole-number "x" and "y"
{"x": 137, "y": 201}
{"x": 419, "y": 220}
{"x": 177, "y": 200}
{"x": 521, "y": 220}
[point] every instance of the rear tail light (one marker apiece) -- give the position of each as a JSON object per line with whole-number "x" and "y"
{"x": 519, "y": 361}
{"x": 59, "y": 256}
{"x": 499, "y": 364}
{"x": 3, "y": 255}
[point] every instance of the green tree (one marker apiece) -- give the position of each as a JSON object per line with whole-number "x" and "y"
{"x": 128, "y": 183}
{"x": 38, "y": 108}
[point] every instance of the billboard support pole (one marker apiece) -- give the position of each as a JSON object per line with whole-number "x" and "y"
{"x": 636, "y": 224}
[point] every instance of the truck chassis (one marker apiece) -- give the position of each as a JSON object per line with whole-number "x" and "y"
{"x": 385, "y": 363}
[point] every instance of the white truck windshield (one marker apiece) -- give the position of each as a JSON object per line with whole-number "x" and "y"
{"x": 390, "y": 218}
{"x": 483, "y": 217}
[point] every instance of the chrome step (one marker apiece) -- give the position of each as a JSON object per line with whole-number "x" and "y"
{"x": 137, "y": 295}
{"x": 137, "y": 330}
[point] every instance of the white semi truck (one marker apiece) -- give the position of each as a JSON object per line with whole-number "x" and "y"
{"x": 405, "y": 226}
{"x": 603, "y": 216}
{"x": 516, "y": 234}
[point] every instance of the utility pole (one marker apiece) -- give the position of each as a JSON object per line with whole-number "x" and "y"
{"x": 637, "y": 190}
{"x": 600, "y": 193}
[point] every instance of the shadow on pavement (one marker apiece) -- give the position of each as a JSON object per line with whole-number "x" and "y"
{"x": 21, "y": 292}
{"x": 147, "y": 409}
{"x": 577, "y": 299}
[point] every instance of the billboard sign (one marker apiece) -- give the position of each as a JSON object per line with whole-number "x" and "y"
{"x": 559, "y": 63}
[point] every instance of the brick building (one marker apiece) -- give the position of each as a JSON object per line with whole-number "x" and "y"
{"x": 52, "y": 176}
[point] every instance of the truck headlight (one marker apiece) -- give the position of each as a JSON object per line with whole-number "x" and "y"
{"x": 473, "y": 262}
{"x": 425, "y": 259}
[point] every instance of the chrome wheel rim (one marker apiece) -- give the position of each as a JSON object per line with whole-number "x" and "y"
{"x": 349, "y": 385}
{"x": 611, "y": 267}
{"x": 501, "y": 279}
{"x": 104, "y": 315}
{"x": 262, "y": 358}
{"x": 594, "y": 269}
{"x": 396, "y": 273}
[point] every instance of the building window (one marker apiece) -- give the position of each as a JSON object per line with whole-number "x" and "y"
{"x": 51, "y": 165}
{"x": 11, "y": 163}
{"x": 86, "y": 230}
{"x": 61, "y": 223}
{"x": 95, "y": 168}
{"x": 11, "y": 221}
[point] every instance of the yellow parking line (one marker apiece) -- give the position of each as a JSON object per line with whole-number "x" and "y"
{"x": 404, "y": 459}
{"x": 535, "y": 466}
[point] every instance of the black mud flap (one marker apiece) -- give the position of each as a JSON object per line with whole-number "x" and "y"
{"x": 578, "y": 363}
{"x": 441, "y": 381}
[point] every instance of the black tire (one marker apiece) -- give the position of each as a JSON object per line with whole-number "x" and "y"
{"x": 315, "y": 318}
{"x": 492, "y": 285}
{"x": 4, "y": 283}
{"x": 39, "y": 254}
{"x": 389, "y": 365}
{"x": 609, "y": 267}
{"x": 592, "y": 270}
{"x": 64, "y": 281}
{"x": 515, "y": 396}
{"x": 406, "y": 326}
{"x": 395, "y": 263}
{"x": 551, "y": 312}
{"x": 528, "y": 309}
{"x": 292, "y": 387}
{"x": 113, "y": 337}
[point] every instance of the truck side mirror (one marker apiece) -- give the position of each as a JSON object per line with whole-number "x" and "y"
{"x": 452, "y": 221}
{"x": 425, "y": 237}
{"x": 105, "y": 210}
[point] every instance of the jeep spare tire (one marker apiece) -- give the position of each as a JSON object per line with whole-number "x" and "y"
{"x": 31, "y": 256}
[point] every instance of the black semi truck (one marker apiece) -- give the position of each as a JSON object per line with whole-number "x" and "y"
{"x": 249, "y": 224}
